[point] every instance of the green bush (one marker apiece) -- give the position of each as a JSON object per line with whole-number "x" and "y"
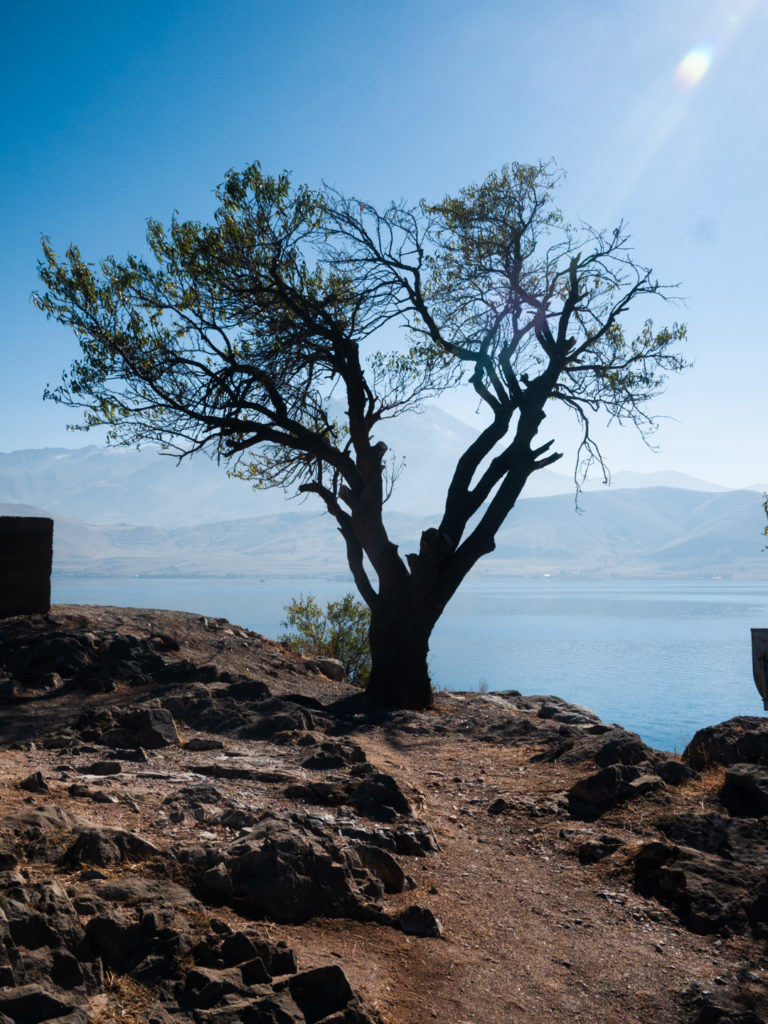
{"x": 341, "y": 631}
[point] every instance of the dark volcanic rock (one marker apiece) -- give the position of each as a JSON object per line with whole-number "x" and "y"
{"x": 739, "y": 740}
{"x": 103, "y": 846}
{"x": 34, "y": 1003}
{"x": 103, "y": 768}
{"x": 744, "y": 1003}
{"x": 38, "y": 658}
{"x": 379, "y": 797}
{"x": 610, "y": 745}
{"x": 412, "y": 839}
{"x": 321, "y": 992}
{"x": 711, "y": 872}
{"x": 384, "y": 866}
{"x": 560, "y": 710}
{"x": 289, "y": 718}
{"x": 47, "y": 833}
{"x": 201, "y": 709}
{"x": 330, "y": 793}
{"x": 332, "y": 754}
{"x": 675, "y": 773}
{"x": 745, "y": 791}
{"x": 593, "y": 850}
{"x": 591, "y": 796}
{"x": 203, "y": 743}
{"x": 291, "y": 869}
{"x": 34, "y": 783}
{"x": 151, "y": 728}
{"x": 46, "y": 967}
{"x": 245, "y": 689}
{"x": 417, "y": 920}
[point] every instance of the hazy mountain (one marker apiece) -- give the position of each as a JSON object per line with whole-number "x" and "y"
{"x": 642, "y": 532}
{"x": 661, "y": 478}
{"x": 122, "y": 485}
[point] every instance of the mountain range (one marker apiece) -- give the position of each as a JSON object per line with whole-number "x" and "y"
{"x": 654, "y": 531}
{"x": 122, "y": 512}
{"x": 122, "y": 485}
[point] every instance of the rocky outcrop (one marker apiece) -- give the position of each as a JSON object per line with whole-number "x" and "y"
{"x": 247, "y": 805}
{"x": 745, "y": 790}
{"x": 739, "y": 740}
{"x": 710, "y": 871}
{"x": 290, "y": 867}
{"x": 595, "y": 794}
{"x": 55, "y": 946}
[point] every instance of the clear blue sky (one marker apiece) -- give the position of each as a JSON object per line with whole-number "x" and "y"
{"x": 116, "y": 112}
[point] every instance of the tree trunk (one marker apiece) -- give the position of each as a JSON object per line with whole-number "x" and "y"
{"x": 399, "y": 639}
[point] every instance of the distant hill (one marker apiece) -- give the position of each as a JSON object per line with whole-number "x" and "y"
{"x": 107, "y": 486}
{"x": 664, "y": 532}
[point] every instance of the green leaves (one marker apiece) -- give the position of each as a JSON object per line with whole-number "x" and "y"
{"x": 339, "y": 632}
{"x": 243, "y": 337}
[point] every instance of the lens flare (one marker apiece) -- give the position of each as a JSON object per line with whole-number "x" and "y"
{"x": 693, "y": 66}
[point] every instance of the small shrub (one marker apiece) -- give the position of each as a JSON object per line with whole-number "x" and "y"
{"x": 341, "y": 631}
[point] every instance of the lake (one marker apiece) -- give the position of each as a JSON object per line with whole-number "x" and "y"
{"x": 663, "y": 658}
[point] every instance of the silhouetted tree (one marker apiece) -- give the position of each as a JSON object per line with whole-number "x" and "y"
{"x": 237, "y": 336}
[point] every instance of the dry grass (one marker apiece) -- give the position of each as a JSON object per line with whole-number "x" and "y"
{"x": 126, "y": 1001}
{"x": 704, "y": 790}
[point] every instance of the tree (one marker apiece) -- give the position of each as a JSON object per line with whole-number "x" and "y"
{"x": 341, "y": 631}
{"x": 238, "y": 335}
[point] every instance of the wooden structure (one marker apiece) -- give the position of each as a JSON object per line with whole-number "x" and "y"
{"x": 760, "y": 663}
{"x": 26, "y": 556}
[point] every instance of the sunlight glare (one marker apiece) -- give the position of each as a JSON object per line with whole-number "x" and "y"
{"x": 693, "y": 66}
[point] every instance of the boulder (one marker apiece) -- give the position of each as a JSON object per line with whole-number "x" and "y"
{"x": 745, "y": 791}
{"x": 291, "y": 869}
{"x": 593, "y": 850}
{"x": 289, "y": 718}
{"x": 675, "y": 773}
{"x": 380, "y": 797}
{"x": 103, "y": 768}
{"x": 595, "y": 794}
{"x": 332, "y": 668}
{"x": 34, "y": 783}
{"x": 745, "y": 1003}
{"x": 710, "y": 871}
{"x": 563, "y": 711}
{"x": 103, "y": 846}
{"x": 203, "y": 743}
{"x": 31, "y": 1004}
{"x": 320, "y": 992}
{"x": 384, "y": 866}
{"x": 420, "y": 921}
{"x": 153, "y": 728}
{"x": 740, "y": 740}
{"x": 245, "y": 689}
{"x": 332, "y": 754}
{"x": 610, "y": 745}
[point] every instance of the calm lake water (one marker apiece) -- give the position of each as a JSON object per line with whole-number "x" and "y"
{"x": 662, "y": 658}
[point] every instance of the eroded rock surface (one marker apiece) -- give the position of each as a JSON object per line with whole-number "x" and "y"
{"x": 176, "y": 809}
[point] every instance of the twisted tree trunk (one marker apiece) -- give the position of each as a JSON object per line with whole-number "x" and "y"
{"x": 399, "y": 639}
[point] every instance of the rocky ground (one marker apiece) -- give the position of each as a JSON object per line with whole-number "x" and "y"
{"x": 195, "y": 825}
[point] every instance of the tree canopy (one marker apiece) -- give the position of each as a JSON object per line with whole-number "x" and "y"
{"x": 240, "y": 338}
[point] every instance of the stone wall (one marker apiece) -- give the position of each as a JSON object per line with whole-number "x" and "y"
{"x": 26, "y": 554}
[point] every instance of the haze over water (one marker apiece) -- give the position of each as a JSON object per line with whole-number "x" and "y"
{"x": 663, "y": 658}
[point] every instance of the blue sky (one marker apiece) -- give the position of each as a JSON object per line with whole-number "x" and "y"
{"x": 657, "y": 112}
